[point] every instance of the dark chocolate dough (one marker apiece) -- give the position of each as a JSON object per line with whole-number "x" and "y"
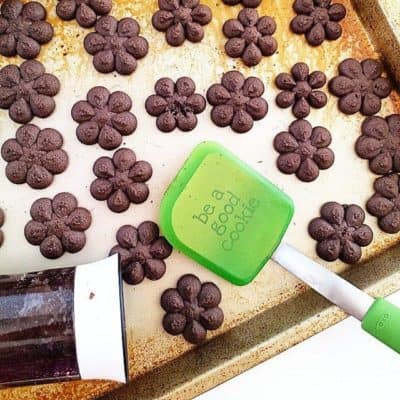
{"x": 360, "y": 86}
{"x": 85, "y": 12}
{"x": 121, "y": 180}
{"x": 142, "y": 251}
{"x": 304, "y": 150}
{"x": 192, "y": 309}
{"x": 385, "y": 203}
{"x": 58, "y": 225}
{"x": 23, "y": 28}
{"x": 181, "y": 20}
{"x": 318, "y": 20}
{"x": 104, "y": 118}
{"x": 299, "y": 90}
{"x": 340, "y": 232}
{"x": 380, "y": 143}
{"x": 34, "y": 156}
{"x": 175, "y": 104}
{"x": 237, "y": 101}
{"x": 250, "y": 37}
{"x": 26, "y": 91}
{"x": 116, "y": 45}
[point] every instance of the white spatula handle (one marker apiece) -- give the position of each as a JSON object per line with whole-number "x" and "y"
{"x": 340, "y": 292}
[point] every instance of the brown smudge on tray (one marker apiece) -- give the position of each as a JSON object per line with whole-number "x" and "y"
{"x": 64, "y": 53}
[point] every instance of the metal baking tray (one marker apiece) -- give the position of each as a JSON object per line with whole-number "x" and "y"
{"x": 276, "y": 311}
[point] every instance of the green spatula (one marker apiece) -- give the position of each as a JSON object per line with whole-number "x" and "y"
{"x": 229, "y": 218}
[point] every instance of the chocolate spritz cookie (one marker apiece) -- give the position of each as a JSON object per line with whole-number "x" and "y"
{"x": 250, "y": 37}
{"x": 181, "y": 20}
{"x": 192, "y": 309}
{"x": 299, "y": 90}
{"x": 245, "y": 3}
{"x": 104, "y": 118}
{"x": 85, "y": 12}
{"x": 385, "y": 203}
{"x": 142, "y": 251}
{"x": 380, "y": 143}
{"x": 23, "y": 28}
{"x": 340, "y": 232}
{"x": 58, "y": 225}
{"x": 304, "y": 150}
{"x": 2, "y": 219}
{"x": 34, "y": 156}
{"x": 116, "y": 45}
{"x": 318, "y": 20}
{"x": 360, "y": 86}
{"x": 237, "y": 101}
{"x": 175, "y": 104}
{"x": 121, "y": 180}
{"x": 26, "y": 91}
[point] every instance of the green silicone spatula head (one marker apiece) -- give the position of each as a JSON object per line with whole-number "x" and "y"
{"x": 230, "y": 219}
{"x": 224, "y": 215}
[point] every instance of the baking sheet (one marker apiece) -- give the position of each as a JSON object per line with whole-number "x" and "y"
{"x": 348, "y": 181}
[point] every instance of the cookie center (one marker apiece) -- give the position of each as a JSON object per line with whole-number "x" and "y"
{"x": 32, "y": 156}
{"x": 238, "y": 100}
{"x": 102, "y": 117}
{"x": 115, "y": 43}
{"x": 182, "y": 15}
{"x": 344, "y": 232}
{"x": 56, "y": 226}
{"x": 121, "y": 180}
{"x": 176, "y": 103}
{"x": 24, "y": 90}
{"x": 251, "y": 34}
{"x": 18, "y": 26}
{"x": 141, "y": 253}
{"x": 320, "y": 15}
{"x": 362, "y": 85}
{"x": 192, "y": 310}
{"x": 302, "y": 89}
{"x": 305, "y": 150}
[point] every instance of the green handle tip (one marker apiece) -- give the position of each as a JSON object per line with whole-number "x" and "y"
{"x": 382, "y": 321}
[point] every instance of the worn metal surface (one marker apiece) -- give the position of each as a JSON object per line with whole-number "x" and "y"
{"x": 274, "y": 312}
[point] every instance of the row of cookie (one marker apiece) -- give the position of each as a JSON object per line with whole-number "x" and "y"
{"x": 116, "y": 45}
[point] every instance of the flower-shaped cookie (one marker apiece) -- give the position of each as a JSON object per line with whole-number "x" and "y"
{"x": 23, "y": 28}
{"x": 104, "y": 118}
{"x": 237, "y": 101}
{"x": 58, "y": 225}
{"x": 380, "y": 143}
{"x": 360, "y": 86}
{"x": 142, "y": 251}
{"x": 340, "y": 232}
{"x": 385, "y": 203}
{"x": 318, "y": 20}
{"x": 34, "y": 156}
{"x": 304, "y": 150}
{"x": 116, "y": 45}
{"x": 299, "y": 90}
{"x": 121, "y": 180}
{"x": 2, "y": 218}
{"x": 250, "y": 36}
{"x": 192, "y": 309}
{"x": 181, "y": 19}
{"x": 175, "y": 104}
{"x": 84, "y": 11}
{"x": 245, "y": 3}
{"x": 27, "y": 91}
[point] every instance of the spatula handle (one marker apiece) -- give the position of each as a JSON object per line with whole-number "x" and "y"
{"x": 382, "y": 321}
